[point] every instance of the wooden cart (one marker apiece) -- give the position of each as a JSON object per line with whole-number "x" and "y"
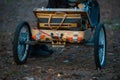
{"x": 61, "y": 27}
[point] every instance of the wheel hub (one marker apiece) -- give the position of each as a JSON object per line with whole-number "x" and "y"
{"x": 23, "y": 38}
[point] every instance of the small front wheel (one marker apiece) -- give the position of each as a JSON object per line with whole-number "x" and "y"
{"x": 100, "y": 46}
{"x": 20, "y": 48}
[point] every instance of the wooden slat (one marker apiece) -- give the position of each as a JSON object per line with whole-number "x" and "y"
{"x": 44, "y": 15}
{"x": 55, "y": 32}
{"x": 64, "y": 25}
{"x": 59, "y": 10}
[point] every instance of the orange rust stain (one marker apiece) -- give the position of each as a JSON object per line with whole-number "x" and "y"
{"x": 34, "y": 37}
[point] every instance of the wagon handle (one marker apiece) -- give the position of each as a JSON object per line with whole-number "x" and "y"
{"x": 63, "y": 20}
{"x": 65, "y": 15}
{"x": 49, "y": 20}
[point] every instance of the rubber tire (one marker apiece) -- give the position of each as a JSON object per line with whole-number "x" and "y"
{"x": 97, "y": 48}
{"x": 15, "y": 43}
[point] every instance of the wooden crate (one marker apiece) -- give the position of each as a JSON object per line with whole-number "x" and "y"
{"x": 60, "y": 18}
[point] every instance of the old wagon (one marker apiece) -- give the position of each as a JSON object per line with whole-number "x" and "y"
{"x": 61, "y": 27}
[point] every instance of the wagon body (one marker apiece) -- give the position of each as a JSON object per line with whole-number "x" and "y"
{"x": 60, "y": 27}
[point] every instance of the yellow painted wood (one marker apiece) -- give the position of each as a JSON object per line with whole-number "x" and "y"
{"x": 65, "y": 33}
{"x": 64, "y": 25}
{"x": 44, "y": 15}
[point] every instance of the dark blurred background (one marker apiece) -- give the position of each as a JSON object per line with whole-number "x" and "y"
{"x": 13, "y": 11}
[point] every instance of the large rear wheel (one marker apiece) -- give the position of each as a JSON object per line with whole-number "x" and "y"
{"x": 20, "y": 48}
{"x": 100, "y": 46}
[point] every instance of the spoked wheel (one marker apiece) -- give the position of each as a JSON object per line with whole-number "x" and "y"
{"x": 100, "y": 46}
{"x": 20, "y": 48}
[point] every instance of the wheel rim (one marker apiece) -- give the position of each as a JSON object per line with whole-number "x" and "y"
{"x": 22, "y": 48}
{"x": 102, "y": 47}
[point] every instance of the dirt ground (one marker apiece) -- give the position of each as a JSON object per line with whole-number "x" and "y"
{"x": 70, "y": 63}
